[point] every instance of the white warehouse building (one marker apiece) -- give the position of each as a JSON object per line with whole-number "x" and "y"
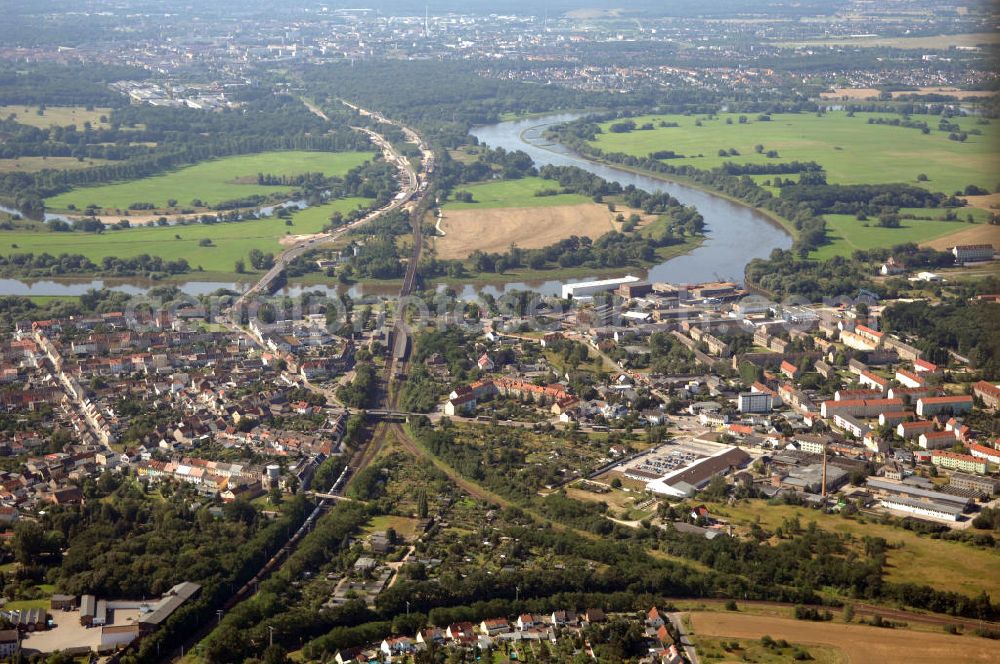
{"x": 588, "y": 288}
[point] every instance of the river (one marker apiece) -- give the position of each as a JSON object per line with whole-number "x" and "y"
{"x": 735, "y": 234}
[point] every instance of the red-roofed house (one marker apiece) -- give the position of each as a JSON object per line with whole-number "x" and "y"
{"x": 909, "y": 378}
{"x": 789, "y": 369}
{"x": 936, "y": 440}
{"x": 911, "y": 430}
{"x": 923, "y": 366}
{"x": 868, "y": 333}
{"x": 861, "y": 407}
{"x": 983, "y": 452}
{"x": 988, "y": 392}
{"x": 960, "y": 462}
{"x": 874, "y": 381}
{"x": 927, "y": 406}
{"x": 846, "y": 395}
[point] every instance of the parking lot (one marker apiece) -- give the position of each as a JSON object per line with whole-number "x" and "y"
{"x": 69, "y": 633}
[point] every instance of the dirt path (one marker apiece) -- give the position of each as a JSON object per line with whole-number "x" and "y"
{"x": 859, "y": 643}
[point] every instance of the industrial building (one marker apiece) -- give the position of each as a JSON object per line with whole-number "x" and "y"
{"x": 683, "y": 482}
{"x": 589, "y": 288}
{"x": 922, "y": 502}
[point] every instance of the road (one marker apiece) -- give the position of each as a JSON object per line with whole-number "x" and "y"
{"x": 677, "y": 619}
{"x": 411, "y": 184}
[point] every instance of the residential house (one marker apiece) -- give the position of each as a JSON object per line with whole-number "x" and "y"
{"x": 936, "y": 440}
{"x": 923, "y": 366}
{"x": 911, "y": 430}
{"x": 397, "y": 646}
{"x": 961, "y": 462}
{"x": 988, "y": 393}
{"x": 494, "y": 626}
{"x": 527, "y": 621}
{"x": 927, "y": 406}
{"x": 965, "y": 253}
{"x": 983, "y": 452}
{"x": 789, "y": 369}
{"x": 909, "y": 378}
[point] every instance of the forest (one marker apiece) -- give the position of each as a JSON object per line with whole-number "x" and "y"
{"x": 968, "y": 328}
{"x": 785, "y": 274}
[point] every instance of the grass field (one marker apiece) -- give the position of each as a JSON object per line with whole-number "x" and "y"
{"x": 212, "y": 181}
{"x": 56, "y": 116}
{"x": 231, "y": 240}
{"x": 752, "y": 650}
{"x": 848, "y": 148}
{"x": 847, "y": 234}
{"x": 858, "y": 644}
{"x": 939, "y": 563}
{"x": 513, "y": 194}
{"x": 405, "y": 527}
{"x": 34, "y": 164}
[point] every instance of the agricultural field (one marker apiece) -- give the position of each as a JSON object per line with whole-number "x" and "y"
{"x": 56, "y": 116}
{"x": 494, "y": 230}
{"x": 850, "y": 150}
{"x": 210, "y": 182}
{"x": 856, "y": 644}
{"x": 230, "y": 241}
{"x": 873, "y": 93}
{"x": 924, "y": 42}
{"x": 911, "y": 558}
{"x": 508, "y": 211}
{"x": 34, "y": 164}
{"x": 977, "y": 234}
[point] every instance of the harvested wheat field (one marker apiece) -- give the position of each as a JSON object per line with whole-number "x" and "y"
{"x": 973, "y": 234}
{"x": 495, "y": 229}
{"x": 989, "y": 202}
{"x": 859, "y": 643}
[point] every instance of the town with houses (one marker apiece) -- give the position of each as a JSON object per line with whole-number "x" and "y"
{"x": 401, "y": 404}
{"x": 810, "y": 403}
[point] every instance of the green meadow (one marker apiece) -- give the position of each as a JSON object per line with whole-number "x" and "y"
{"x": 847, "y": 234}
{"x": 212, "y": 181}
{"x": 230, "y": 240}
{"x": 850, "y": 150}
{"x": 514, "y": 193}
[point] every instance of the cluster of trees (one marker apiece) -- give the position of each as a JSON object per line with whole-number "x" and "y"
{"x": 360, "y": 392}
{"x": 965, "y": 327}
{"x": 244, "y": 628}
{"x": 419, "y": 394}
{"x": 46, "y": 265}
{"x": 784, "y": 273}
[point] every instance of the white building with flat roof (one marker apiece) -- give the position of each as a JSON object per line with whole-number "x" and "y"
{"x": 588, "y": 288}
